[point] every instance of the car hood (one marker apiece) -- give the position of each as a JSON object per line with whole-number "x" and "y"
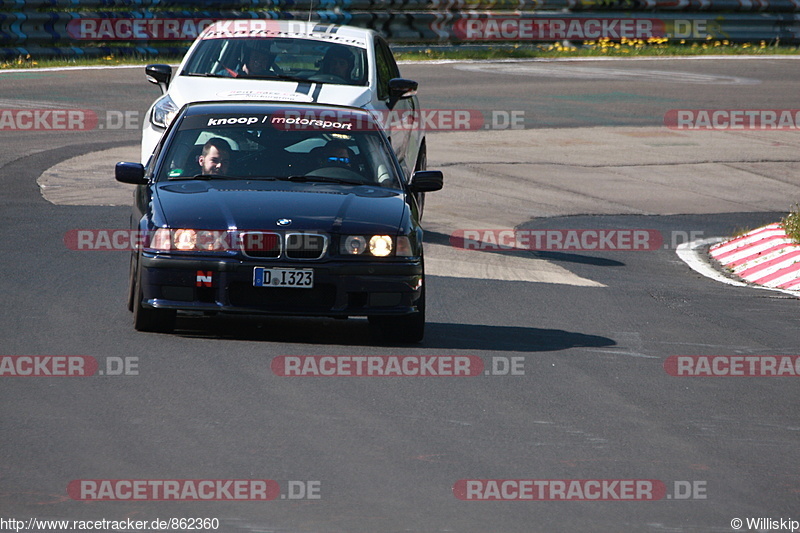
{"x": 322, "y": 207}
{"x": 185, "y": 89}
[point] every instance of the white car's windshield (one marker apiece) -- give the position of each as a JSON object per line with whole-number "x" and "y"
{"x": 279, "y": 58}
{"x": 345, "y": 149}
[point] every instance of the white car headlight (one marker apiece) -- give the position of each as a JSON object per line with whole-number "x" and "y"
{"x": 373, "y": 245}
{"x": 380, "y": 245}
{"x": 163, "y": 112}
{"x": 190, "y": 240}
{"x": 353, "y": 245}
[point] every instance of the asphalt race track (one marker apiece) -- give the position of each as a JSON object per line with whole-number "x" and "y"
{"x": 575, "y": 347}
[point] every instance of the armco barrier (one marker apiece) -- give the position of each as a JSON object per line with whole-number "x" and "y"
{"x": 69, "y": 28}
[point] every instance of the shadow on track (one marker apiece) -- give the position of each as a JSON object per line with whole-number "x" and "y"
{"x": 355, "y": 332}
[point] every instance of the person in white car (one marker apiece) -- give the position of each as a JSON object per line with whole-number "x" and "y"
{"x": 337, "y": 62}
{"x": 258, "y": 62}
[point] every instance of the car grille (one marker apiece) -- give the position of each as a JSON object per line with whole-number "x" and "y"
{"x": 261, "y": 244}
{"x": 271, "y": 245}
{"x": 305, "y": 245}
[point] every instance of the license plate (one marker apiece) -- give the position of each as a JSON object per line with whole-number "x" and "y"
{"x": 292, "y": 278}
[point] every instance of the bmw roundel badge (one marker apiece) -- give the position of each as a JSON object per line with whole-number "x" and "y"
{"x": 284, "y": 221}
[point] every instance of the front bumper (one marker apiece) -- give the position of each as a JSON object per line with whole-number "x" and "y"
{"x": 341, "y": 288}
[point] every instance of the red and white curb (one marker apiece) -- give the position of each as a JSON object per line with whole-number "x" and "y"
{"x": 765, "y": 258}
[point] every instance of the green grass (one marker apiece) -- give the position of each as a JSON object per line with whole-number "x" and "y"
{"x": 30, "y": 63}
{"x": 601, "y": 48}
{"x": 791, "y": 224}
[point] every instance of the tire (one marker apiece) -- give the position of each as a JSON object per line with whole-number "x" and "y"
{"x": 132, "y": 283}
{"x": 422, "y": 158}
{"x": 404, "y": 329}
{"x": 149, "y": 319}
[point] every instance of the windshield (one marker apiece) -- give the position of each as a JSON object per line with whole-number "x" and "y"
{"x": 287, "y": 145}
{"x": 279, "y": 58}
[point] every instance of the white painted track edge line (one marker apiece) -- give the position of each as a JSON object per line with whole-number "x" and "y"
{"x": 687, "y": 251}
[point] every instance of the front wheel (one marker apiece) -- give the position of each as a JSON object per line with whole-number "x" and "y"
{"x": 148, "y": 318}
{"x": 405, "y": 329}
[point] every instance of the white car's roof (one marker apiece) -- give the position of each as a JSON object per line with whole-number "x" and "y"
{"x": 232, "y": 29}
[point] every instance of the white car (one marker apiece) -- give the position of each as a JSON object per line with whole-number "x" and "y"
{"x": 292, "y": 61}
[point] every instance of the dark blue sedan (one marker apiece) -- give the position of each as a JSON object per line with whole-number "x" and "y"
{"x": 264, "y": 208}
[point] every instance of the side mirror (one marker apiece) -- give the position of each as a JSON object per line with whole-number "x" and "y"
{"x": 426, "y": 181}
{"x": 400, "y": 88}
{"x": 160, "y": 75}
{"x": 132, "y": 173}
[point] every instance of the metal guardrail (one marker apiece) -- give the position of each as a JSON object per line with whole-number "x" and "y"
{"x": 47, "y": 28}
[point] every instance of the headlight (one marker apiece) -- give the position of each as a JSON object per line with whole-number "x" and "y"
{"x": 380, "y": 245}
{"x": 185, "y": 240}
{"x": 190, "y": 240}
{"x": 375, "y": 245}
{"x": 163, "y": 112}
{"x": 353, "y": 245}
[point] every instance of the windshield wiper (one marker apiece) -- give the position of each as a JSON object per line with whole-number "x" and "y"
{"x": 325, "y": 179}
{"x": 204, "y": 75}
{"x": 281, "y": 77}
{"x": 202, "y": 177}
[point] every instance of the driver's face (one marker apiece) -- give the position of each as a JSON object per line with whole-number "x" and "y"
{"x": 338, "y": 157}
{"x": 339, "y": 67}
{"x": 215, "y": 162}
{"x": 258, "y": 63}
